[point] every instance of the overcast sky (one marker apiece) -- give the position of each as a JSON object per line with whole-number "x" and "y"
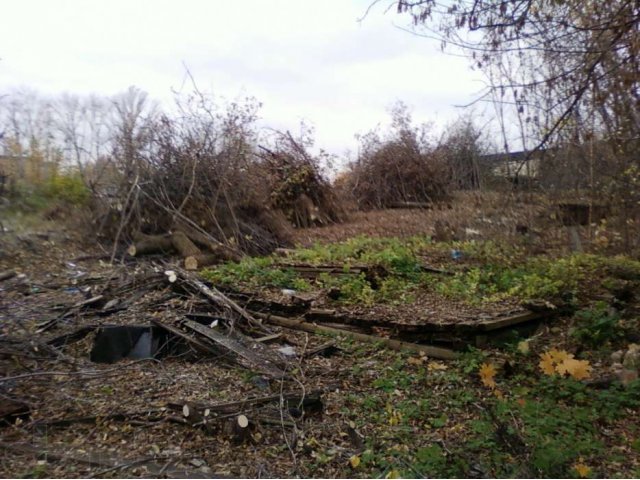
{"x": 302, "y": 59}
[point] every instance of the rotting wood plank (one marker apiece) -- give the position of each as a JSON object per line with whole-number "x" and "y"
{"x": 435, "y": 352}
{"x": 470, "y": 328}
{"x": 330, "y": 316}
{"x": 208, "y": 349}
{"x": 253, "y": 359}
{"x": 502, "y": 322}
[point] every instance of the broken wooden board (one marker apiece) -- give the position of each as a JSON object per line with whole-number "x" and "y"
{"x": 194, "y": 342}
{"x": 463, "y": 328}
{"x": 249, "y": 358}
{"x": 431, "y": 351}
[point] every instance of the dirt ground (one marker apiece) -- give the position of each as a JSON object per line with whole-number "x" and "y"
{"x": 71, "y": 417}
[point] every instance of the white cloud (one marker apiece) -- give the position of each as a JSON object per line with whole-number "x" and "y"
{"x": 301, "y": 59}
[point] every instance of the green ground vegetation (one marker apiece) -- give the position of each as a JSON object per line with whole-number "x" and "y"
{"x": 423, "y": 418}
{"x": 486, "y": 272}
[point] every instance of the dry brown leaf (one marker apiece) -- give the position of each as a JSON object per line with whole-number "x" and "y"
{"x": 431, "y": 366}
{"x": 415, "y": 360}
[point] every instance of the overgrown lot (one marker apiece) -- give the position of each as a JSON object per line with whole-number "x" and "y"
{"x": 551, "y": 400}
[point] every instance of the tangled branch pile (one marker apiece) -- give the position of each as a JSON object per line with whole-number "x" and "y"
{"x": 297, "y": 186}
{"x": 199, "y": 174}
{"x": 403, "y": 167}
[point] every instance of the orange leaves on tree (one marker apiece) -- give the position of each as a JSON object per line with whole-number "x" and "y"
{"x": 561, "y": 362}
{"x": 487, "y": 375}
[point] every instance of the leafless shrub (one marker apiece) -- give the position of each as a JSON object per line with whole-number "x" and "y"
{"x": 403, "y": 167}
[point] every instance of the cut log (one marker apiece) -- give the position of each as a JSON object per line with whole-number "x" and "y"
{"x": 195, "y": 262}
{"x": 208, "y": 242}
{"x": 207, "y": 415}
{"x": 237, "y": 428}
{"x": 431, "y": 351}
{"x": 183, "y": 245}
{"x": 146, "y": 244}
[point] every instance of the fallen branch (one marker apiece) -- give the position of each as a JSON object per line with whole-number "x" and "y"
{"x": 103, "y": 459}
{"x": 6, "y": 275}
{"x": 435, "y": 352}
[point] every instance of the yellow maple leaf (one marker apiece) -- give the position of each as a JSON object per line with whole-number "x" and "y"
{"x": 578, "y": 369}
{"x": 354, "y": 461}
{"x": 431, "y": 366}
{"x": 547, "y": 365}
{"x": 487, "y": 374}
{"x": 393, "y": 474}
{"x": 559, "y": 356}
{"x": 582, "y": 469}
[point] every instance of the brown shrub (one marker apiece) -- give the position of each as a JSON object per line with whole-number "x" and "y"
{"x": 403, "y": 167}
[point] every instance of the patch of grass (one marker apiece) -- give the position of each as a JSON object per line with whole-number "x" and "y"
{"x": 598, "y": 326}
{"x": 536, "y": 278}
{"x": 396, "y": 255}
{"x": 498, "y": 272}
{"x": 255, "y": 272}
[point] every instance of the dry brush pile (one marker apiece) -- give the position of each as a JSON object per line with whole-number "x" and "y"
{"x": 406, "y": 167}
{"x": 205, "y": 183}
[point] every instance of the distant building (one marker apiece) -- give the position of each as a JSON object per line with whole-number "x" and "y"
{"x": 517, "y": 167}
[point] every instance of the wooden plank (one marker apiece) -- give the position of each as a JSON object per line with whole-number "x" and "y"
{"x": 435, "y": 352}
{"x": 252, "y": 358}
{"x": 502, "y": 322}
{"x": 203, "y": 347}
